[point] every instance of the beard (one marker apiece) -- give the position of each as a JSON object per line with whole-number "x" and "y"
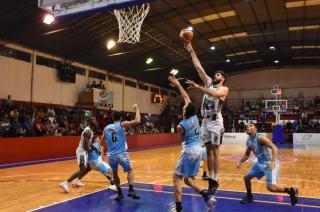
{"x": 216, "y": 81}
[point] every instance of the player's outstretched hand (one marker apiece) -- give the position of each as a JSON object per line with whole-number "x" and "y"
{"x": 135, "y": 106}
{"x": 188, "y": 46}
{"x": 173, "y": 80}
{"x": 191, "y": 84}
{"x": 271, "y": 165}
{"x": 238, "y": 164}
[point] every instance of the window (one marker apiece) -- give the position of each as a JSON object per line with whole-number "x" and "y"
{"x": 97, "y": 75}
{"x": 115, "y": 79}
{"x": 79, "y": 70}
{"x": 131, "y": 83}
{"x": 154, "y": 90}
{"x": 13, "y": 53}
{"x": 48, "y": 62}
{"x": 143, "y": 86}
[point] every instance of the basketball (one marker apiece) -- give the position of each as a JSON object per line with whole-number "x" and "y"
{"x": 186, "y": 34}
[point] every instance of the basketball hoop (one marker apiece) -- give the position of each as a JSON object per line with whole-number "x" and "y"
{"x": 130, "y": 21}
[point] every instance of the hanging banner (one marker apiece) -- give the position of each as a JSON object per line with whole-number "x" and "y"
{"x": 103, "y": 98}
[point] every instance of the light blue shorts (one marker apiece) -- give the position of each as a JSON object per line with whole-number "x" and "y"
{"x": 100, "y": 166}
{"x": 259, "y": 170}
{"x": 189, "y": 162}
{"x": 204, "y": 153}
{"x": 121, "y": 159}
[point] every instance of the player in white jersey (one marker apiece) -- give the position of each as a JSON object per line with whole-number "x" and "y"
{"x": 267, "y": 165}
{"x": 212, "y": 130}
{"x": 82, "y": 157}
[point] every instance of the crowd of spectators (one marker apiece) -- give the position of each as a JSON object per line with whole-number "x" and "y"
{"x": 301, "y": 116}
{"x": 19, "y": 119}
{"x": 24, "y": 120}
{"x": 94, "y": 84}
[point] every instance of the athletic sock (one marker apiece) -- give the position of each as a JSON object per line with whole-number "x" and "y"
{"x": 287, "y": 190}
{"x": 131, "y": 188}
{"x": 249, "y": 193}
{"x": 204, "y": 194}
{"x": 178, "y": 206}
{"x": 119, "y": 190}
{"x": 204, "y": 174}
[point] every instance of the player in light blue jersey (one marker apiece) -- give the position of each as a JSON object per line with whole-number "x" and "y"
{"x": 267, "y": 165}
{"x": 96, "y": 162}
{"x": 189, "y": 162}
{"x": 114, "y": 137}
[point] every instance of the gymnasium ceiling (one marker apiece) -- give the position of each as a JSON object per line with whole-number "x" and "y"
{"x": 241, "y": 30}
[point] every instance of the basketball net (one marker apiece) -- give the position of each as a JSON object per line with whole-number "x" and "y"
{"x": 130, "y": 21}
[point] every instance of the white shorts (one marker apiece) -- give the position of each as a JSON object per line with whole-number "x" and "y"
{"x": 82, "y": 157}
{"x": 212, "y": 132}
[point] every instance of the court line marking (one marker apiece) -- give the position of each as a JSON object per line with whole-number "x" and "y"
{"x": 55, "y": 203}
{"x": 218, "y": 197}
{"x": 234, "y": 191}
{"x": 229, "y": 198}
{"x": 37, "y": 162}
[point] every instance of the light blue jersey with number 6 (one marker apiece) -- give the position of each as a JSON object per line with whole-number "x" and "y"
{"x": 115, "y": 139}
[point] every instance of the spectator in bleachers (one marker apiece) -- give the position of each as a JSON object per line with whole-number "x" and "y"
{"x": 28, "y": 126}
{"x": 7, "y": 104}
{"x": 94, "y": 84}
{"x": 51, "y": 111}
{"x": 14, "y": 114}
{"x": 5, "y": 126}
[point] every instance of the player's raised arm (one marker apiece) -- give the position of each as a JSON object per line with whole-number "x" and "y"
{"x": 177, "y": 84}
{"x": 180, "y": 132}
{"x": 136, "y": 121}
{"x": 221, "y": 93}
{"x": 196, "y": 62}
{"x": 86, "y": 140}
{"x": 245, "y": 157}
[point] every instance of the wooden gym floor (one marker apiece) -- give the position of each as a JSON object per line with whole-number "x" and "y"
{"x": 30, "y": 187}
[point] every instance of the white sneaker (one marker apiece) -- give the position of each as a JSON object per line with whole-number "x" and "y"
{"x": 211, "y": 203}
{"x": 77, "y": 183}
{"x": 64, "y": 186}
{"x": 113, "y": 187}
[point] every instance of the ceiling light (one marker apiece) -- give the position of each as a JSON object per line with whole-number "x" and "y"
{"x": 230, "y": 36}
{"x": 110, "y": 44}
{"x": 276, "y": 61}
{"x": 212, "y": 47}
{"x": 228, "y": 60}
{"x": 48, "y": 19}
{"x": 308, "y": 27}
{"x": 174, "y": 72}
{"x": 149, "y": 60}
{"x": 272, "y": 48}
{"x": 190, "y": 28}
{"x": 213, "y": 17}
{"x": 302, "y": 3}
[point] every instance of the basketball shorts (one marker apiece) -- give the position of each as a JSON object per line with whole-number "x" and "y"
{"x": 204, "y": 153}
{"x": 259, "y": 170}
{"x": 212, "y": 132}
{"x": 189, "y": 162}
{"x": 82, "y": 157}
{"x": 121, "y": 159}
{"x": 100, "y": 165}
